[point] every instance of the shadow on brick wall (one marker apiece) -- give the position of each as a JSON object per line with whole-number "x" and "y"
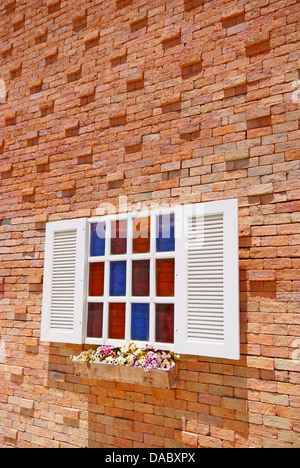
{"x": 210, "y": 407}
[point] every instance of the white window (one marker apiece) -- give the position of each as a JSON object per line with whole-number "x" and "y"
{"x": 167, "y": 277}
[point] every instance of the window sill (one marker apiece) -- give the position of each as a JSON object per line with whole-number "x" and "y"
{"x": 133, "y": 375}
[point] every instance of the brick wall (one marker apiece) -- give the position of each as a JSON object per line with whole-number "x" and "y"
{"x": 163, "y": 101}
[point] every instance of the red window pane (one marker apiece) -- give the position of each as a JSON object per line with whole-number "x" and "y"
{"x": 165, "y": 277}
{"x": 119, "y": 237}
{"x": 95, "y": 321}
{"x": 141, "y": 235}
{"x": 96, "y": 279}
{"x": 141, "y": 278}
{"x": 116, "y": 327}
{"x": 164, "y": 324}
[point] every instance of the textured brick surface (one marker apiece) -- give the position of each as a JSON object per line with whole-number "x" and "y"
{"x": 163, "y": 101}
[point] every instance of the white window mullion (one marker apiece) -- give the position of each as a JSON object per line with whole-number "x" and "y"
{"x": 105, "y": 300}
{"x": 128, "y": 280}
{"x": 107, "y": 239}
{"x": 152, "y": 322}
{"x": 153, "y": 235}
{"x": 152, "y": 313}
{"x": 140, "y": 300}
{"x": 106, "y": 282}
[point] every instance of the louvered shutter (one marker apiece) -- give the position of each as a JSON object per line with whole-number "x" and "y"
{"x": 207, "y": 280}
{"x": 64, "y": 288}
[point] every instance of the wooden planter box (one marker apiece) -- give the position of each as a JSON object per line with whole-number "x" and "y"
{"x": 134, "y": 375}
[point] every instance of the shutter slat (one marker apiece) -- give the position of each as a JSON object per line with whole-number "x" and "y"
{"x": 63, "y": 288}
{"x": 208, "y": 228}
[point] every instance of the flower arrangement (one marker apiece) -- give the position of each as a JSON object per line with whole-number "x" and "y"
{"x": 130, "y": 355}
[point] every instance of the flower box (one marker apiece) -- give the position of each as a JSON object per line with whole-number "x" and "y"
{"x": 135, "y": 375}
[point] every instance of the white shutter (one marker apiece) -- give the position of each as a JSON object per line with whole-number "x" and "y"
{"x": 63, "y": 312}
{"x": 207, "y": 280}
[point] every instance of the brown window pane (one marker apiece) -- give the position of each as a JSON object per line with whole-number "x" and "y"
{"x": 116, "y": 328}
{"x": 164, "y": 323}
{"x": 141, "y": 278}
{"x": 95, "y": 321}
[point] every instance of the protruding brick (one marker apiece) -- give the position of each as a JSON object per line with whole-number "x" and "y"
{"x": 235, "y": 81}
{"x": 258, "y": 113}
{"x": 258, "y": 38}
{"x": 115, "y": 176}
{"x": 262, "y": 275}
{"x": 191, "y": 57}
{"x": 232, "y": 11}
{"x": 263, "y": 189}
{"x": 135, "y": 76}
{"x": 6, "y": 168}
{"x": 10, "y": 434}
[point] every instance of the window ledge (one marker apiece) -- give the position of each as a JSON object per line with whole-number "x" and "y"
{"x": 134, "y": 375}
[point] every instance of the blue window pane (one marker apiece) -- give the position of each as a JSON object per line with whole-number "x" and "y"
{"x": 140, "y": 322}
{"x": 98, "y": 239}
{"x": 118, "y": 279}
{"x": 165, "y": 233}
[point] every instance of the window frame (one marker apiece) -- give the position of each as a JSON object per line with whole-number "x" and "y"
{"x": 129, "y": 257}
{"x": 65, "y": 287}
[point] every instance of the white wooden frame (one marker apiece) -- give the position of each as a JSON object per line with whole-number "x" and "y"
{"x": 228, "y": 348}
{"x": 152, "y": 300}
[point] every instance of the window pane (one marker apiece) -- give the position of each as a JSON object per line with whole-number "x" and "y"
{"x": 116, "y": 327}
{"x": 165, "y": 277}
{"x": 98, "y": 239}
{"x": 165, "y": 233}
{"x": 119, "y": 237}
{"x": 140, "y": 322}
{"x": 141, "y": 278}
{"x": 141, "y": 235}
{"x": 164, "y": 324}
{"x": 96, "y": 279}
{"x": 95, "y": 321}
{"x": 118, "y": 279}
